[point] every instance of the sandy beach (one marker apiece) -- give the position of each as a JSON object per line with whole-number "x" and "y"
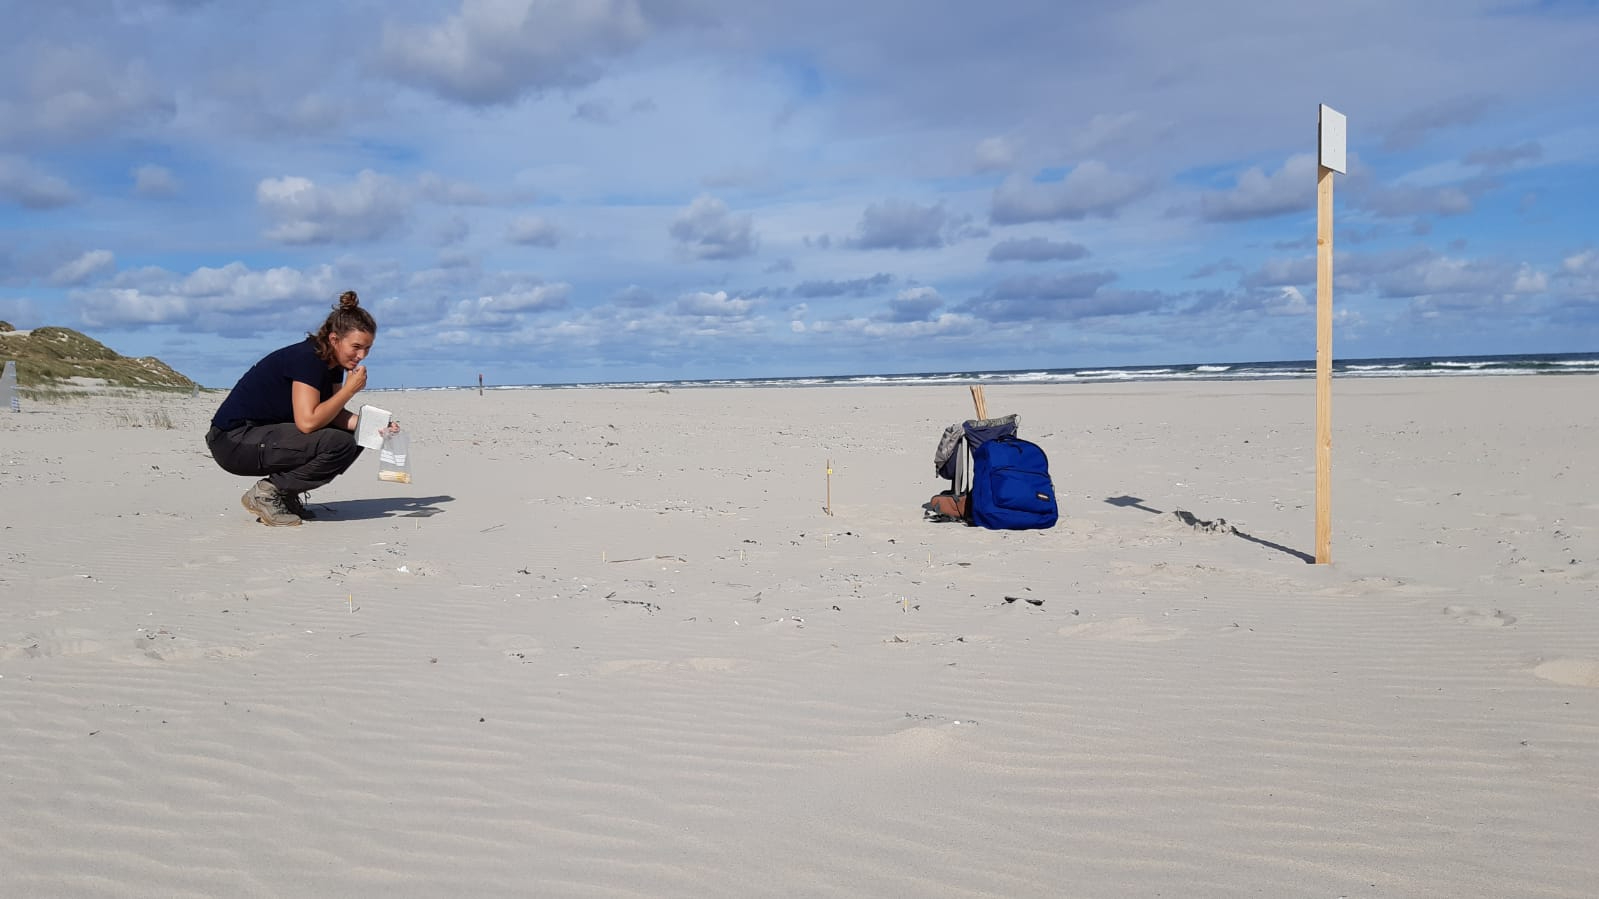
{"x": 609, "y": 643}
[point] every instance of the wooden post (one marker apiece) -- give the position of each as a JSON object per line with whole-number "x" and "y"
{"x": 1324, "y": 326}
{"x": 1331, "y": 138}
{"x": 978, "y": 402}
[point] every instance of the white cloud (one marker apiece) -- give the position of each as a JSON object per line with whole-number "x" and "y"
{"x": 508, "y": 309}
{"x": 1404, "y": 201}
{"x": 1102, "y": 131}
{"x": 1281, "y": 272}
{"x": 1258, "y": 195}
{"x": 233, "y": 299}
{"x": 1091, "y": 189}
{"x": 949, "y": 324}
{"x": 438, "y": 189}
{"x": 27, "y": 186}
{"x": 1529, "y": 280}
{"x": 708, "y": 230}
{"x": 496, "y": 51}
{"x": 305, "y": 213}
{"x": 994, "y": 154}
{"x": 1036, "y": 249}
{"x": 1464, "y": 283}
{"x": 1583, "y": 263}
{"x": 532, "y": 230}
{"x": 900, "y": 225}
{"x": 714, "y": 305}
{"x": 913, "y": 304}
{"x": 83, "y": 268}
{"x": 1290, "y": 302}
{"x": 72, "y": 90}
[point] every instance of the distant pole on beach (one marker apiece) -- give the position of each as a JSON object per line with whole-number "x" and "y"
{"x": 8, "y": 386}
{"x": 1333, "y": 129}
{"x": 479, "y": 383}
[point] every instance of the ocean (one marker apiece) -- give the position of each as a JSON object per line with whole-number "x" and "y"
{"x": 1406, "y": 367}
{"x": 1551, "y": 364}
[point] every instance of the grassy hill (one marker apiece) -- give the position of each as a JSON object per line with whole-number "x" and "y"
{"x": 49, "y": 357}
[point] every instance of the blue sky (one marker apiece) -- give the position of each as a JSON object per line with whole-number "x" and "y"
{"x": 579, "y": 190}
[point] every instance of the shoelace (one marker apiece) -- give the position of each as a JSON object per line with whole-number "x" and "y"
{"x": 295, "y": 505}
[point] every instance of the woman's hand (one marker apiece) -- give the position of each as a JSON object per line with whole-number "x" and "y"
{"x": 394, "y": 426}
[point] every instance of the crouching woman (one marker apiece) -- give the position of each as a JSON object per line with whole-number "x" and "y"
{"x": 285, "y": 421}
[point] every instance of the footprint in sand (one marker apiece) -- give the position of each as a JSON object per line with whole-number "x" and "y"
{"x": 919, "y": 738}
{"x": 642, "y": 666}
{"x": 1131, "y": 630}
{"x": 1571, "y": 672}
{"x": 52, "y": 644}
{"x": 1479, "y": 617}
{"x": 163, "y": 646}
{"x": 516, "y": 647}
{"x": 1369, "y": 586}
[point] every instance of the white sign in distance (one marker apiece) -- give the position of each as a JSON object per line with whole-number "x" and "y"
{"x": 1334, "y": 138}
{"x": 8, "y": 387}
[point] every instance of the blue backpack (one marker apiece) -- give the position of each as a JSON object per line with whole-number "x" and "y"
{"x": 1011, "y": 489}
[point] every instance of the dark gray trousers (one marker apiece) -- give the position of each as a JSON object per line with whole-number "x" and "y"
{"x": 289, "y": 460}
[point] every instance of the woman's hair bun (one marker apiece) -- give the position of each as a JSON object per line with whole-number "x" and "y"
{"x": 348, "y": 300}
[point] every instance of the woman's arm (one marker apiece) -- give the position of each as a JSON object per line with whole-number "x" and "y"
{"x": 311, "y": 412}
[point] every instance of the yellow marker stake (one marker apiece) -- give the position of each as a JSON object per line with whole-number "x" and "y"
{"x": 828, "y": 507}
{"x": 351, "y": 600}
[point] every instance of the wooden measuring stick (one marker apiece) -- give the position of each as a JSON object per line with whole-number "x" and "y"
{"x": 978, "y": 402}
{"x": 1324, "y": 327}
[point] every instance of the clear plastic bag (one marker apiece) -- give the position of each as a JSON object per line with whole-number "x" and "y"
{"x": 394, "y": 459}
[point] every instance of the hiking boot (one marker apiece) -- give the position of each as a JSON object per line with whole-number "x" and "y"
{"x": 296, "y": 505}
{"x": 267, "y": 503}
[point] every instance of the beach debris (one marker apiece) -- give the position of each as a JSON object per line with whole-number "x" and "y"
{"x": 955, "y": 721}
{"x": 650, "y": 607}
{"x": 1219, "y": 526}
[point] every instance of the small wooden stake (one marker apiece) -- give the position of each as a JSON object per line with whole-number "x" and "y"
{"x": 978, "y": 401}
{"x": 828, "y": 506}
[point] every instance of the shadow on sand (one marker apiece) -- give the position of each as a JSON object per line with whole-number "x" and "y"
{"x": 388, "y": 507}
{"x": 1133, "y": 502}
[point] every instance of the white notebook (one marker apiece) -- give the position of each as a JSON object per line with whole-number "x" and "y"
{"x": 369, "y": 425}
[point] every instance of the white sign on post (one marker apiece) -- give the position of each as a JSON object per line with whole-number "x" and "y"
{"x": 8, "y": 387}
{"x": 1334, "y": 137}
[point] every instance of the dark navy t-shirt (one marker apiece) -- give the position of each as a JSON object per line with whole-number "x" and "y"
{"x": 264, "y": 394}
